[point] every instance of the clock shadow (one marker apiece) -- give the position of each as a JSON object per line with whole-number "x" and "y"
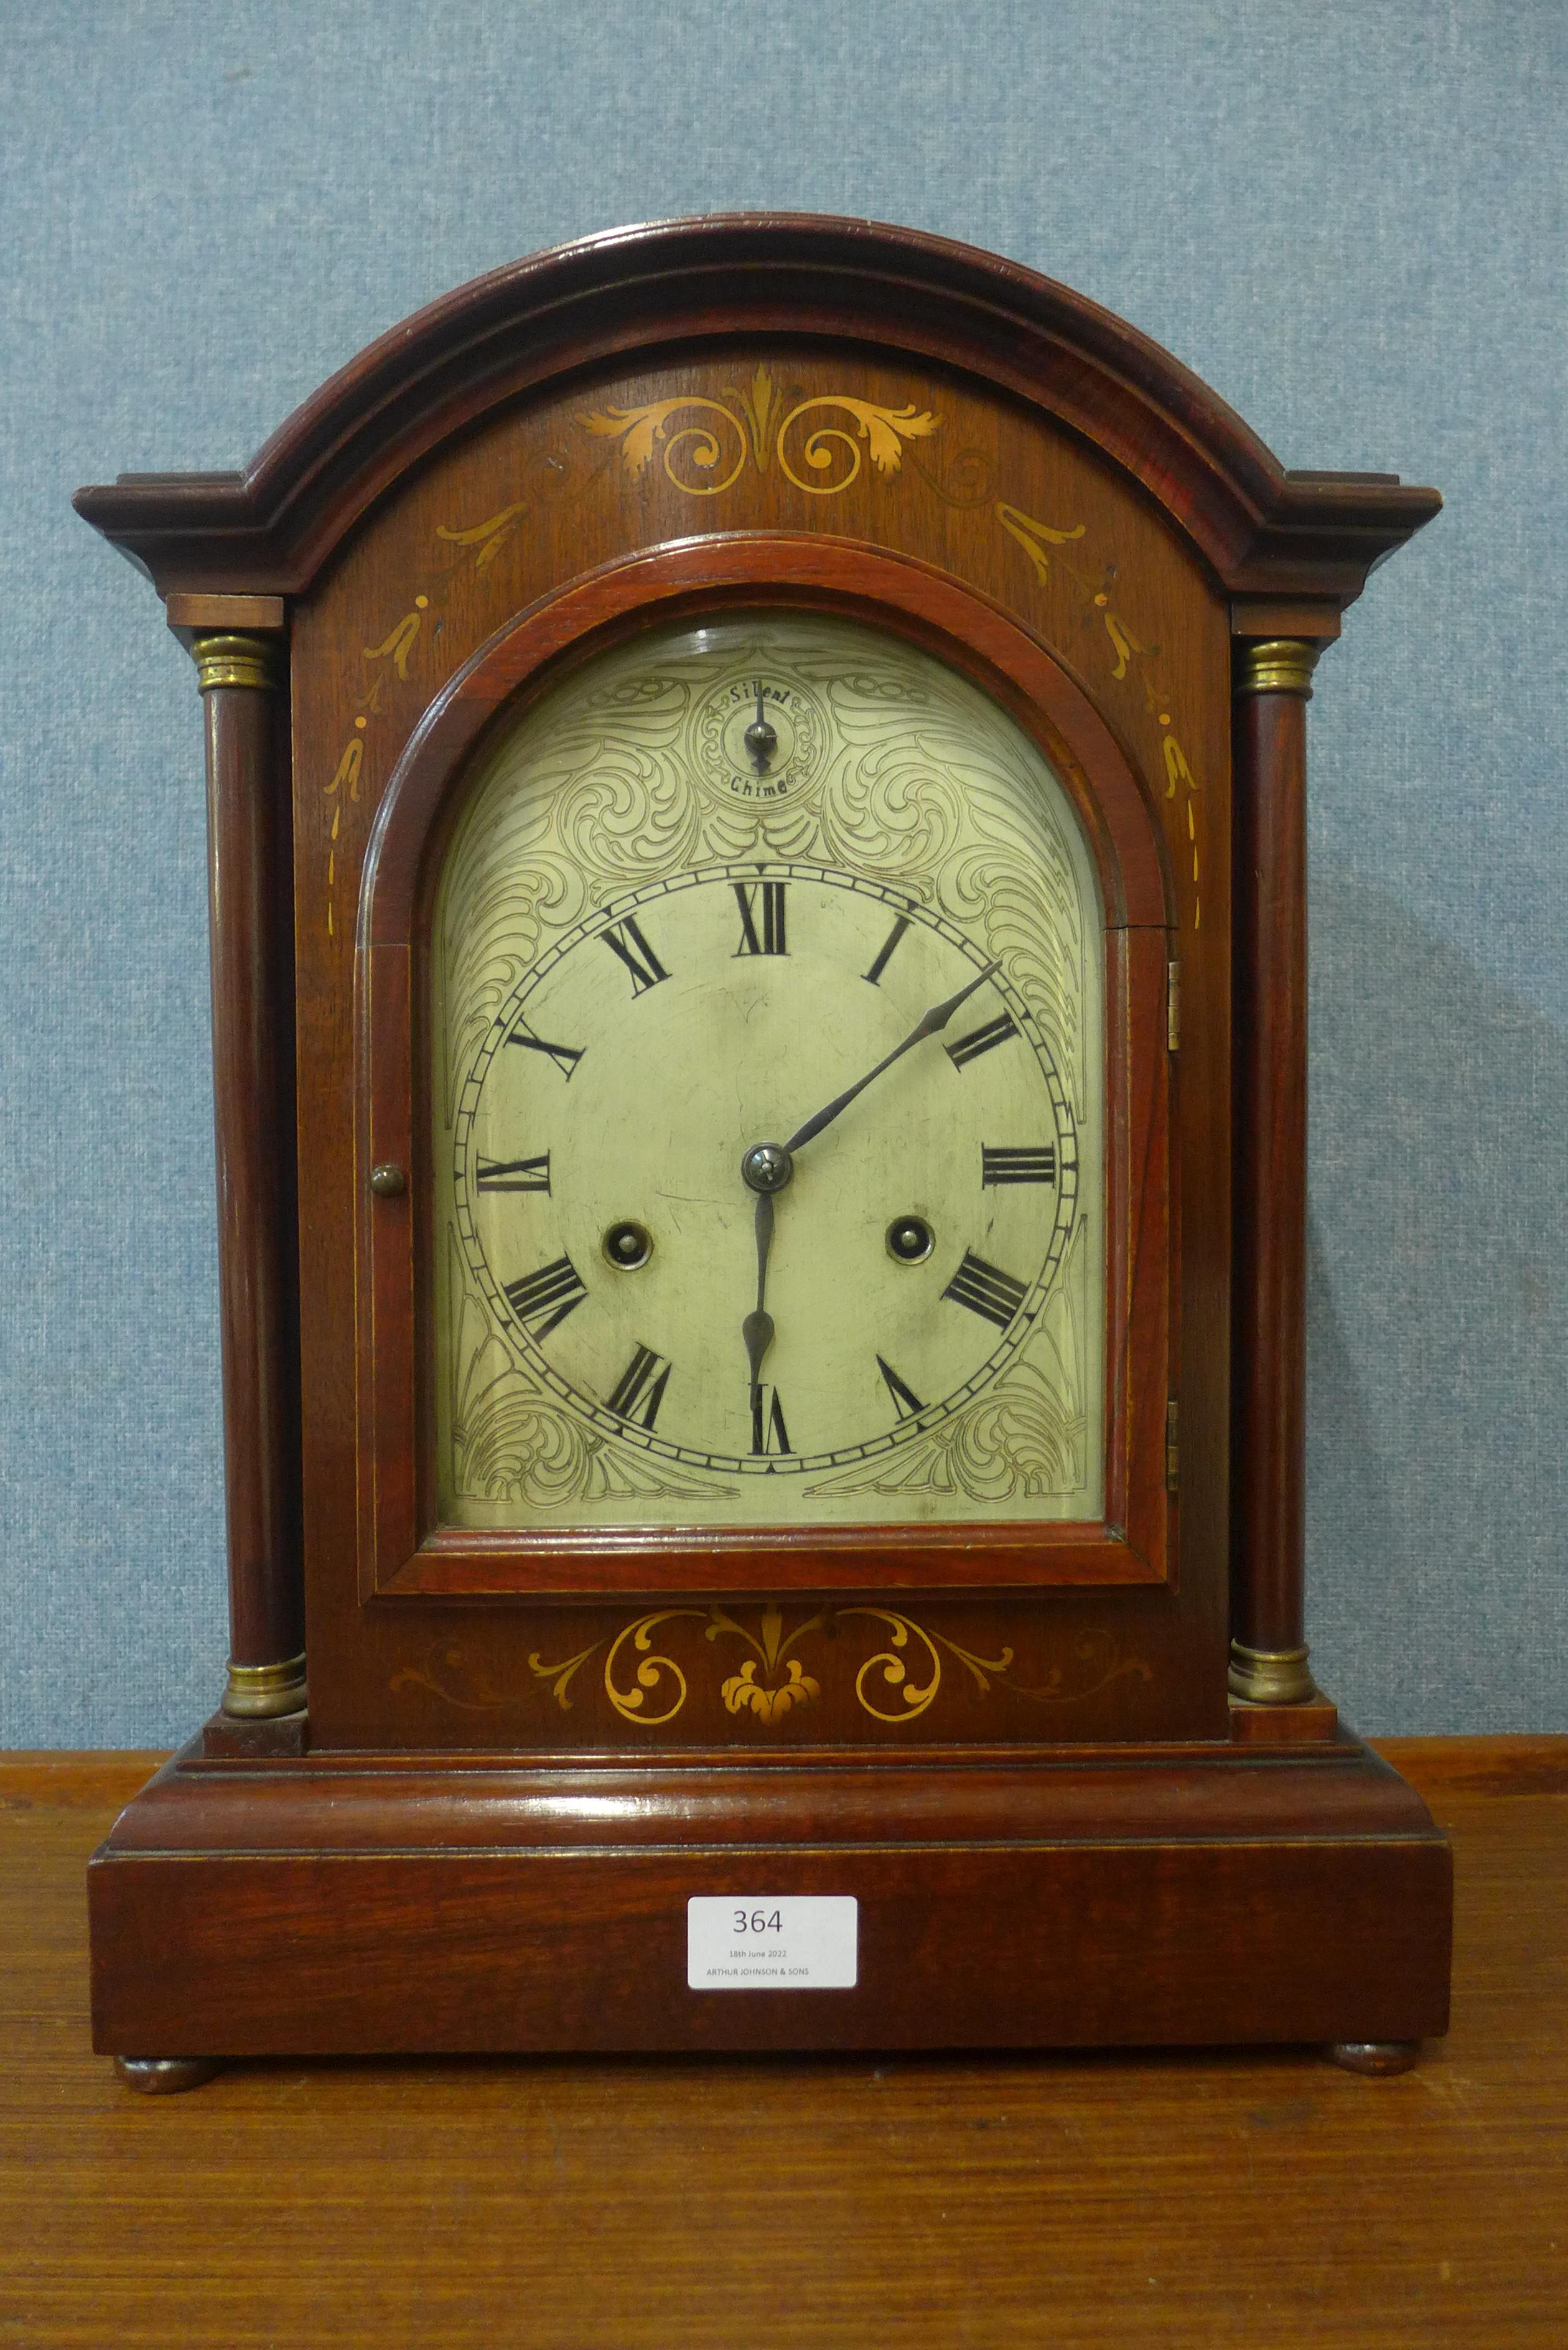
{"x": 734, "y": 2068}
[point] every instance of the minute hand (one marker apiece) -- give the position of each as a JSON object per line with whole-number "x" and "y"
{"x": 929, "y": 1023}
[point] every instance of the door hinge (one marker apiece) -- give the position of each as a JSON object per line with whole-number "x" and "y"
{"x": 1173, "y": 1007}
{"x": 1173, "y": 1445}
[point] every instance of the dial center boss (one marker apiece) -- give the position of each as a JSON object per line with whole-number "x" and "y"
{"x": 767, "y": 1167}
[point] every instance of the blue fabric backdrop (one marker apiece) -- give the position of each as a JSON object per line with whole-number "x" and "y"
{"x": 1348, "y": 217}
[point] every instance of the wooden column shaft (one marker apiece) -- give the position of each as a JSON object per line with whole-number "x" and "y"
{"x": 1269, "y": 1656}
{"x": 248, "y": 821}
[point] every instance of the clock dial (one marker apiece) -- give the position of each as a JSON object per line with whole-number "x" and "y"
{"x": 767, "y": 1150}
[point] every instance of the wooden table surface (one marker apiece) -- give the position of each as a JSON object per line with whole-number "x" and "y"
{"x": 1184, "y": 2201}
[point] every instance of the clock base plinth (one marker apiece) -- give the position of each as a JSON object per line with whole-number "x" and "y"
{"x": 365, "y": 1904}
{"x": 278, "y": 1734}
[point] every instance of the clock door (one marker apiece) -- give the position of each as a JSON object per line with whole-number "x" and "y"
{"x": 767, "y": 1100}
{"x": 764, "y": 1105}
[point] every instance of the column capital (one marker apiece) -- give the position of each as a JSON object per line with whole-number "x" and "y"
{"x": 234, "y": 660}
{"x": 1276, "y": 665}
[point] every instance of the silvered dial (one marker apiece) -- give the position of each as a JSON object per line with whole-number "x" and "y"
{"x": 769, "y": 1181}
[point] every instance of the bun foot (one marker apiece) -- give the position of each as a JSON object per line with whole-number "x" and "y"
{"x": 165, "y": 2076}
{"x": 1374, "y": 2057}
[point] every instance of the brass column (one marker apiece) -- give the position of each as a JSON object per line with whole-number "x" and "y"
{"x": 1268, "y": 1647}
{"x": 248, "y": 840}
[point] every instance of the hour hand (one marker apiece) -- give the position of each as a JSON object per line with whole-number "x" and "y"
{"x": 757, "y": 1329}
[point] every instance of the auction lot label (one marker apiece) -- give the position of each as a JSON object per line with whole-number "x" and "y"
{"x": 773, "y": 1941}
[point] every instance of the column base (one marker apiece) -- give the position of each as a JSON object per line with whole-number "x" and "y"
{"x": 256, "y": 1692}
{"x": 1270, "y": 1675}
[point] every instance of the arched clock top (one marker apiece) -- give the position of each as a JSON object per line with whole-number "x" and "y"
{"x": 764, "y": 572}
{"x": 654, "y": 292}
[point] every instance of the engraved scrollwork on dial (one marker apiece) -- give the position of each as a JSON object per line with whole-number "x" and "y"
{"x": 525, "y": 1447}
{"x": 1031, "y": 923}
{"x": 916, "y": 777}
{"x": 607, "y": 807}
{"x": 888, "y": 810}
{"x": 1025, "y": 1435}
{"x": 617, "y": 931}
{"x": 1022, "y": 1436}
{"x": 507, "y": 885}
{"x": 622, "y": 807}
{"x": 757, "y": 739}
{"x": 511, "y": 1440}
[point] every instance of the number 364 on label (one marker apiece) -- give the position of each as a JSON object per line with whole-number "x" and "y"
{"x": 772, "y": 1942}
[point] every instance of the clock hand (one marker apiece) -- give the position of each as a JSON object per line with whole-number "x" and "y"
{"x": 929, "y": 1024}
{"x": 757, "y": 1329}
{"x": 761, "y": 738}
{"x": 766, "y": 1167}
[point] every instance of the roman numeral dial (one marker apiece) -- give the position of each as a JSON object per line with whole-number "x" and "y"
{"x": 769, "y": 1433}
{"x": 888, "y": 949}
{"x": 758, "y": 1174}
{"x": 625, "y": 940}
{"x": 1037, "y": 1165}
{"x": 542, "y": 1300}
{"x": 513, "y": 1174}
{"x": 904, "y": 1400}
{"x": 639, "y": 1391}
{"x": 565, "y": 1056}
{"x": 986, "y": 1290}
{"x": 762, "y": 905}
{"x": 964, "y": 1049}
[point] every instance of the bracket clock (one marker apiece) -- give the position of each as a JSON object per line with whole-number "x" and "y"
{"x": 757, "y": 806}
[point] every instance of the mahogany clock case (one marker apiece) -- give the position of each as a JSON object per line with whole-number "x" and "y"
{"x": 1015, "y": 1744}
{"x": 404, "y": 1548}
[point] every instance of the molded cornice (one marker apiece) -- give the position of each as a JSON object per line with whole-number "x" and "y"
{"x": 642, "y": 293}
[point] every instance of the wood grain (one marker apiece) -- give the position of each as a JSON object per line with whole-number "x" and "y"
{"x": 357, "y": 1904}
{"x": 403, "y": 1550}
{"x": 1264, "y": 529}
{"x": 1111, "y": 2203}
{"x": 517, "y": 544}
{"x": 249, "y": 860}
{"x": 1089, "y": 493}
{"x": 1268, "y": 1409}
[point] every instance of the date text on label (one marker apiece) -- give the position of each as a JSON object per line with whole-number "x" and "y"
{"x": 773, "y": 1941}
